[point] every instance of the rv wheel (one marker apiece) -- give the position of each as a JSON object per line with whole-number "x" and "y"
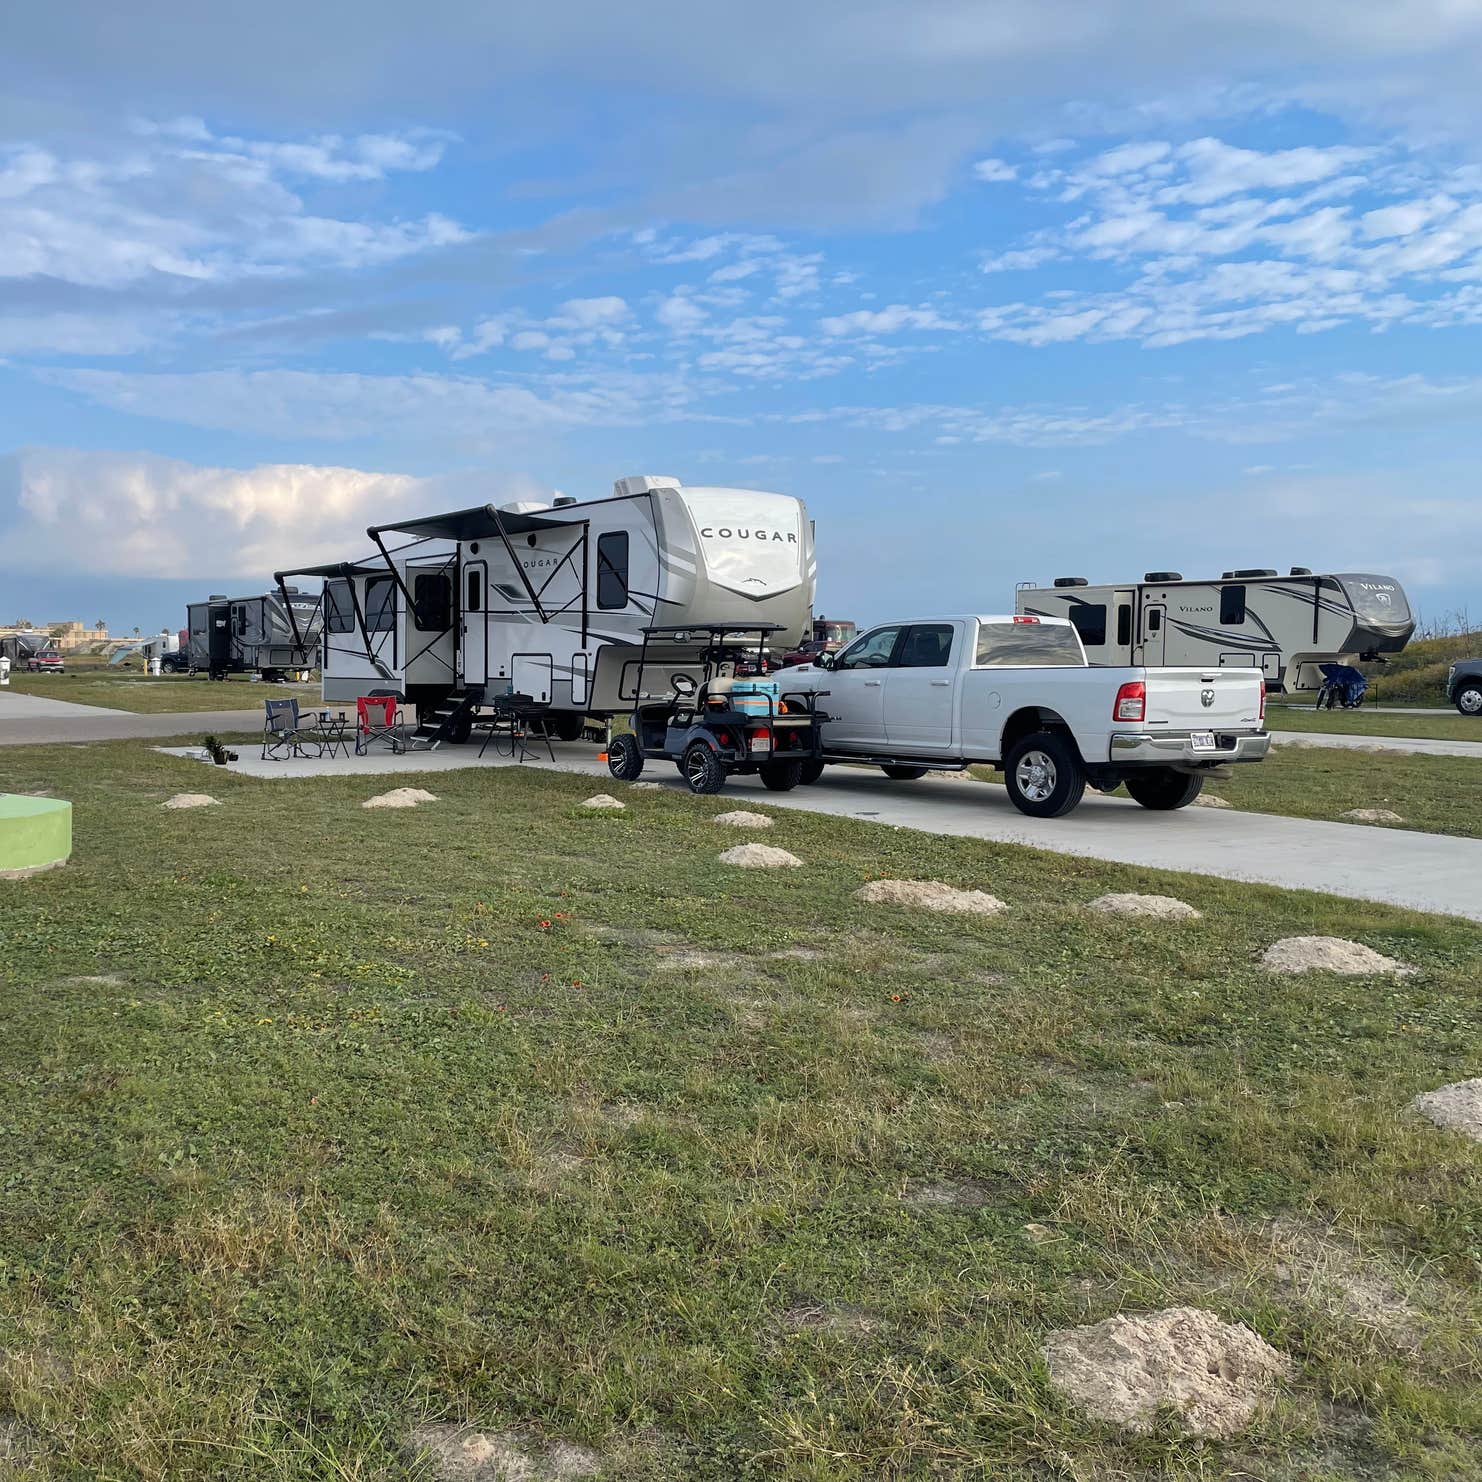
{"x": 566, "y": 725}
{"x": 703, "y": 770}
{"x": 780, "y": 776}
{"x": 624, "y": 759}
{"x": 461, "y": 730}
{"x": 1162, "y": 789}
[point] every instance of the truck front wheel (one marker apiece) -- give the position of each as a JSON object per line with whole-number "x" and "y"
{"x": 1044, "y": 775}
{"x": 1163, "y": 789}
{"x": 1469, "y": 699}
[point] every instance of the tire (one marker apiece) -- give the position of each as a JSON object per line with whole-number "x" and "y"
{"x": 1469, "y": 699}
{"x": 704, "y": 772}
{"x": 1162, "y": 789}
{"x": 1044, "y": 775}
{"x": 461, "y": 730}
{"x": 810, "y": 772}
{"x": 624, "y": 759}
{"x": 904, "y": 774}
{"x": 567, "y": 725}
{"x": 780, "y": 776}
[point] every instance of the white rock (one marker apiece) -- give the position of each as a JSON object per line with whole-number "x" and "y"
{"x": 1328, "y": 955}
{"x": 740, "y": 818}
{"x": 1372, "y": 815}
{"x": 929, "y": 895}
{"x": 191, "y": 800}
{"x": 1163, "y": 907}
{"x": 400, "y": 797}
{"x": 1457, "y": 1107}
{"x": 645, "y": 787}
{"x": 603, "y": 800}
{"x": 1209, "y": 800}
{"x": 759, "y": 857}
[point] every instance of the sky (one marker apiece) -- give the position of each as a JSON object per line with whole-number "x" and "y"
{"x": 1004, "y": 291}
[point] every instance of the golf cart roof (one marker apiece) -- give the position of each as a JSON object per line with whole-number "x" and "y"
{"x": 471, "y": 524}
{"x": 674, "y": 630}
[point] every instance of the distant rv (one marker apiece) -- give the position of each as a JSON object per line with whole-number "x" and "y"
{"x": 271, "y": 634}
{"x": 1285, "y": 626}
{"x": 550, "y": 601}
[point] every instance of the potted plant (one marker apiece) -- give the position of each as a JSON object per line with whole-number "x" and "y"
{"x": 216, "y": 751}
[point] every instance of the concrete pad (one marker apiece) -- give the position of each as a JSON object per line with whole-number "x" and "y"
{"x": 15, "y": 706}
{"x": 1426, "y": 872}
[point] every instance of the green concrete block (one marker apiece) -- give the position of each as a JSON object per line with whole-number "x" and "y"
{"x": 35, "y": 834}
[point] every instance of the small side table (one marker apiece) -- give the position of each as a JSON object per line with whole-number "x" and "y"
{"x": 334, "y": 732}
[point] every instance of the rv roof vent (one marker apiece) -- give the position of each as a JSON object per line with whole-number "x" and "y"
{"x": 1300, "y": 571}
{"x": 523, "y": 507}
{"x": 1071, "y": 581}
{"x": 1162, "y": 576}
{"x": 1247, "y": 572}
{"x": 563, "y": 501}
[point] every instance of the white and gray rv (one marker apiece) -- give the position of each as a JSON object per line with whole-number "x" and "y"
{"x": 272, "y": 634}
{"x": 551, "y": 601}
{"x": 1285, "y": 626}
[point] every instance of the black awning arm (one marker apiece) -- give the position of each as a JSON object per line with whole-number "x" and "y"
{"x": 514, "y": 561}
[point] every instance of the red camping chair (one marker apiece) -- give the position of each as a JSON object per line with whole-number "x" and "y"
{"x": 378, "y": 718}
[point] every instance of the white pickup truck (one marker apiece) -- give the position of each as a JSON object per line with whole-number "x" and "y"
{"x": 1017, "y": 693}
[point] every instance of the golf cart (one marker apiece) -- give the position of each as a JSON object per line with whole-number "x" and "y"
{"x": 723, "y": 723}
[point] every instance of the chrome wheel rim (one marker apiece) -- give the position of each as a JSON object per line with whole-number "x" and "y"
{"x": 1036, "y": 776}
{"x": 1471, "y": 702}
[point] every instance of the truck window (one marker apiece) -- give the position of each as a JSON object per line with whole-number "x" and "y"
{"x": 612, "y": 570}
{"x": 927, "y": 646}
{"x": 380, "y": 604}
{"x": 432, "y": 593}
{"x": 1124, "y": 624}
{"x": 870, "y": 652}
{"x": 1089, "y": 620}
{"x": 1008, "y": 645}
{"x": 1232, "y": 604}
{"x": 338, "y": 609}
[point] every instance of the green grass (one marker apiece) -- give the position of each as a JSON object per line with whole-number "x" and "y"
{"x": 310, "y": 1129}
{"x": 1417, "y": 676}
{"x": 1365, "y": 722}
{"x": 115, "y": 689}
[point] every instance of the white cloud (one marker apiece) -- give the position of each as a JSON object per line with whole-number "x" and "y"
{"x": 891, "y": 320}
{"x": 1020, "y": 260}
{"x": 993, "y": 171}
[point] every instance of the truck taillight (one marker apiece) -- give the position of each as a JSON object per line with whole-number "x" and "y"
{"x": 1132, "y": 701}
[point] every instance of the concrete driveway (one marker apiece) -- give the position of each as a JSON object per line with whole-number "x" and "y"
{"x": 1429, "y": 872}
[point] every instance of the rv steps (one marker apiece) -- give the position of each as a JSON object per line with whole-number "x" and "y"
{"x": 450, "y": 715}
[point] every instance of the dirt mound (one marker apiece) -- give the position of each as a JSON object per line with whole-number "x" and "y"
{"x": 1328, "y": 955}
{"x": 1372, "y": 815}
{"x": 740, "y": 818}
{"x": 1163, "y": 907}
{"x": 456, "y": 1453}
{"x": 191, "y": 800}
{"x": 929, "y": 895}
{"x": 759, "y": 857}
{"x": 400, "y": 797}
{"x": 645, "y": 787}
{"x": 1209, "y": 800}
{"x": 603, "y": 800}
{"x": 1217, "y": 1375}
{"x": 1457, "y": 1107}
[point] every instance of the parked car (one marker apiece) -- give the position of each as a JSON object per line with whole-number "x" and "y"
{"x": 1016, "y": 692}
{"x": 48, "y": 661}
{"x": 176, "y": 663}
{"x": 1464, "y": 686}
{"x": 829, "y": 636}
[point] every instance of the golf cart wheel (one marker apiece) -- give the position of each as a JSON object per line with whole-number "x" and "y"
{"x": 810, "y": 771}
{"x": 1163, "y": 789}
{"x": 1044, "y": 775}
{"x": 904, "y": 774}
{"x": 567, "y": 725}
{"x": 703, "y": 770}
{"x": 1469, "y": 699}
{"x": 780, "y": 776}
{"x": 624, "y": 760}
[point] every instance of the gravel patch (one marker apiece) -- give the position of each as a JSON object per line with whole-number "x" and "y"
{"x": 1209, "y": 800}
{"x": 845, "y": 1321}
{"x": 1217, "y": 1375}
{"x": 1161, "y": 907}
{"x": 603, "y": 800}
{"x": 1328, "y": 955}
{"x": 961, "y": 1194}
{"x": 963, "y": 776}
{"x": 799, "y": 954}
{"x": 759, "y": 857}
{"x": 1457, "y": 1107}
{"x": 191, "y": 800}
{"x": 645, "y": 787}
{"x": 929, "y": 895}
{"x": 400, "y": 797}
{"x": 457, "y": 1453}
{"x": 1372, "y": 815}
{"x": 740, "y": 818}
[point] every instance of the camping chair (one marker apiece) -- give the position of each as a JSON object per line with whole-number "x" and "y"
{"x": 518, "y": 717}
{"x": 282, "y": 735}
{"x": 379, "y": 718}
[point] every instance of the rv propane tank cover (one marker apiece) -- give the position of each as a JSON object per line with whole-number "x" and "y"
{"x": 1071, "y": 581}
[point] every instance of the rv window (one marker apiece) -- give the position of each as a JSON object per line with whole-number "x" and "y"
{"x": 927, "y": 646}
{"x": 433, "y": 594}
{"x": 1008, "y": 645}
{"x": 1232, "y": 604}
{"x": 1090, "y": 622}
{"x": 1155, "y": 619}
{"x": 338, "y": 607}
{"x": 612, "y": 570}
{"x": 474, "y": 602}
{"x": 1124, "y": 624}
{"x": 380, "y": 604}
{"x": 239, "y": 618}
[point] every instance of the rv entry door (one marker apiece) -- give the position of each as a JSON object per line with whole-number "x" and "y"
{"x": 475, "y": 622}
{"x": 1154, "y": 636}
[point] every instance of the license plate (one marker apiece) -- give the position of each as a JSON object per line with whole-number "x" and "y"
{"x": 1203, "y": 740}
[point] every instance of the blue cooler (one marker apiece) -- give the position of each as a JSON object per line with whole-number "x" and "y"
{"x": 755, "y": 697}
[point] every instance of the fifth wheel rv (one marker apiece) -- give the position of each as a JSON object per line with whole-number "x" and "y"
{"x": 552, "y": 601}
{"x": 1285, "y": 626}
{"x": 271, "y": 634}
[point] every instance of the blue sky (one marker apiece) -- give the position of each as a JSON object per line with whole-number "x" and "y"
{"x": 1003, "y": 291}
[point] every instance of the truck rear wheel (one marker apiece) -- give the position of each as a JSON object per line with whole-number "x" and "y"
{"x": 1162, "y": 789}
{"x": 1044, "y": 775}
{"x": 703, "y": 770}
{"x": 624, "y": 759}
{"x": 904, "y": 774}
{"x": 780, "y": 776}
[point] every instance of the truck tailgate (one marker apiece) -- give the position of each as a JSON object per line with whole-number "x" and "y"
{"x": 1204, "y": 699}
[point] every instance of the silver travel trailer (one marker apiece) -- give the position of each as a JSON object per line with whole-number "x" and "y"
{"x": 1285, "y": 626}
{"x": 552, "y": 601}
{"x": 272, "y": 634}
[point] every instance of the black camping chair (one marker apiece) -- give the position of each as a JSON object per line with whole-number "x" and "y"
{"x": 283, "y": 736}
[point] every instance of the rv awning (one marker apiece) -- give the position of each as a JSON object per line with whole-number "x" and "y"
{"x": 345, "y": 569}
{"x": 471, "y": 524}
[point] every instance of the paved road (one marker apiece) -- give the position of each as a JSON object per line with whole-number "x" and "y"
{"x": 15, "y": 706}
{"x": 1414, "y": 745}
{"x": 59, "y": 721}
{"x": 1429, "y": 872}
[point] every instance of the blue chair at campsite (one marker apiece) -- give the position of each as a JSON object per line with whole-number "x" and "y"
{"x": 283, "y": 735}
